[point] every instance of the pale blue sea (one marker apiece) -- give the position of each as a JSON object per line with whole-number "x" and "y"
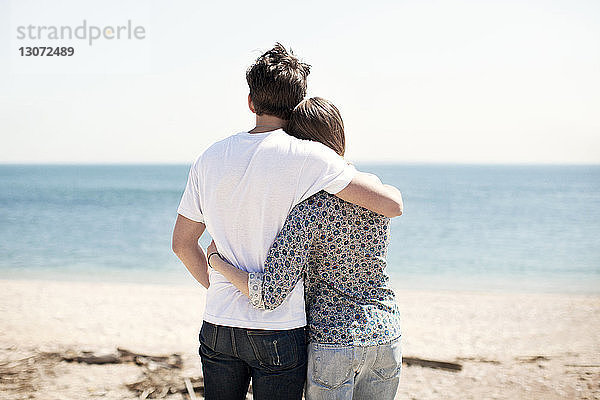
{"x": 465, "y": 227}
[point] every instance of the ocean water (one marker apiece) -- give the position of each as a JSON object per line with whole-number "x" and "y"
{"x": 465, "y": 227}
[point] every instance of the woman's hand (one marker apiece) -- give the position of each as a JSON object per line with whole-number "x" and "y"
{"x": 212, "y": 248}
{"x": 216, "y": 262}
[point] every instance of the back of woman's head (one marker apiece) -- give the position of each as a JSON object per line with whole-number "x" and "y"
{"x": 318, "y": 120}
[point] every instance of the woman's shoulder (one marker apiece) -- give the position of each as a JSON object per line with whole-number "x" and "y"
{"x": 322, "y": 199}
{"x": 330, "y": 203}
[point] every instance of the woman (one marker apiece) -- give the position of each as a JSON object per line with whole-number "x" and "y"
{"x": 339, "y": 249}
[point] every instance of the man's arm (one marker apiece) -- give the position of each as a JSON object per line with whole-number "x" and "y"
{"x": 185, "y": 245}
{"x": 324, "y": 169}
{"x": 367, "y": 191}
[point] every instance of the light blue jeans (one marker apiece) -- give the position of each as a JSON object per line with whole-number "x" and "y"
{"x": 353, "y": 372}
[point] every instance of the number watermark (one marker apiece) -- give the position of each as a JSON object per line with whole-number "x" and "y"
{"x": 46, "y": 51}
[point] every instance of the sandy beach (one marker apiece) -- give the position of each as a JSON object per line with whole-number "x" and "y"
{"x": 510, "y": 345}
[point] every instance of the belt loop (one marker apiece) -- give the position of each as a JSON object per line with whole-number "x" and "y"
{"x": 215, "y": 330}
{"x": 233, "y": 345}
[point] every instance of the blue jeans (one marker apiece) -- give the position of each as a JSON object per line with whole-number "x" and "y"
{"x": 274, "y": 360}
{"x": 353, "y": 372}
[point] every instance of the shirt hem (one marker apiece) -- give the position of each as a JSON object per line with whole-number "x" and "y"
{"x": 236, "y": 323}
{"x": 357, "y": 343}
{"x": 191, "y": 215}
{"x": 342, "y": 180}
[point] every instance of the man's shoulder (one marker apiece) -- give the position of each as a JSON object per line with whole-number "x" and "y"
{"x": 216, "y": 149}
{"x": 222, "y": 144}
{"x": 277, "y": 140}
{"x": 304, "y": 146}
{"x": 309, "y": 146}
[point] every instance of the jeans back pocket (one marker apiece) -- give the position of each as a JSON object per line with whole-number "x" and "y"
{"x": 388, "y": 363}
{"x": 277, "y": 350}
{"x": 331, "y": 366}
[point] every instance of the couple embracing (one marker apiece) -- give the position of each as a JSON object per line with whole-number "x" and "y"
{"x": 297, "y": 293}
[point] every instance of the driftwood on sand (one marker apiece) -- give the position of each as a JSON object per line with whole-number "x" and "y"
{"x": 22, "y": 375}
{"x": 162, "y": 374}
{"x": 159, "y": 384}
{"x": 174, "y": 360}
{"x": 161, "y": 377}
{"x": 126, "y": 356}
{"x": 432, "y": 364}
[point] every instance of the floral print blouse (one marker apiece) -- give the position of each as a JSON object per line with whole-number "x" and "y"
{"x": 340, "y": 250}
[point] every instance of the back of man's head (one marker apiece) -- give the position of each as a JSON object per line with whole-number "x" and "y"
{"x": 277, "y": 82}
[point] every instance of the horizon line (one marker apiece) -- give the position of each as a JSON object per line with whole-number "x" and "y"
{"x": 383, "y": 163}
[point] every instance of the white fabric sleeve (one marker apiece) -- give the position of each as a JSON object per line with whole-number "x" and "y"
{"x": 189, "y": 206}
{"x": 323, "y": 169}
{"x": 255, "y": 285}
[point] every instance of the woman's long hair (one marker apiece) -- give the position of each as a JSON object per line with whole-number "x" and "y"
{"x": 317, "y": 119}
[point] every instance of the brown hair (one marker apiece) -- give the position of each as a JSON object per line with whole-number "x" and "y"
{"x": 277, "y": 82}
{"x": 317, "y": 119}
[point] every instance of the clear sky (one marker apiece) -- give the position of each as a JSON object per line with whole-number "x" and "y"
{"x": 416, "y": 81}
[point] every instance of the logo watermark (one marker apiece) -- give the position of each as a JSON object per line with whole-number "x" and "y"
{"x": 78, "y": 37}
{"x": 85, "y": 31}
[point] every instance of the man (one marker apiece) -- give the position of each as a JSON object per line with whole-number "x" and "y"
{"x": 241, "y": 190}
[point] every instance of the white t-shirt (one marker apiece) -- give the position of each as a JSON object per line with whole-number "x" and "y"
{"x": 242, "y": 188}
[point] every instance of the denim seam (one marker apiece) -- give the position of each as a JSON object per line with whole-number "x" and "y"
{"x": 385, "y": 378}
{"x": 330, "y": 345}
{"x": 215, "y": 336}
{"x": 363, "y": 358}
{"x": 377, "y": 358}
{"x": 233, "y": 344}
{"x": 262, "y": 332}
